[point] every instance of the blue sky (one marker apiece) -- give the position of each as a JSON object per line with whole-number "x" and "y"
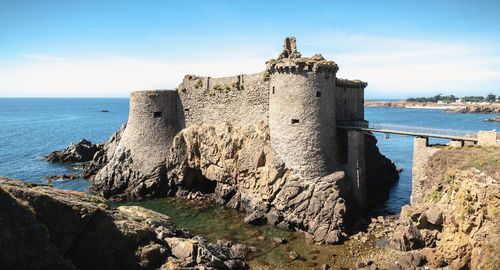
{"x": 109, "y": 48}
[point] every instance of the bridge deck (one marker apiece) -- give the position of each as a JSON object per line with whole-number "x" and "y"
{"x": 458, "y": 135}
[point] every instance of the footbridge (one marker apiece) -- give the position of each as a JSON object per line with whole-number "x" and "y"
{"x": 387, "y": 128}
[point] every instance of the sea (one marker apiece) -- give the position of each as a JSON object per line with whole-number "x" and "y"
{"x": 33, "y": 127}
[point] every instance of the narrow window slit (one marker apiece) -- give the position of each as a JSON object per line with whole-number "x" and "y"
{"x": 295, "y": 121}
{"x": 156, "y": 114}
{"x": 273, "y": 89}
{"x": 318, "y": 94}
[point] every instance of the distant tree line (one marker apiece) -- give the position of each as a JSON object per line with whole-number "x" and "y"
{"x": 451, "y": 98}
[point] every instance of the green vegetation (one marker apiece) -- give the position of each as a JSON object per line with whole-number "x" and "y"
{"x": 435, "y": 196}
{"x": 183, "y": 89}
{"x": 217, "y": 87}
{"x": 198, "y": 84}
{"x": 227, "y": 87}
{"x": 436, "y": 98}
{"x": 446, "y": 163}
{"x": 468, "y": 209}
{"x": 266, "y": 76}
{"x": 152, "y": 95}
{"x": 138, "y": 251}
{"x": 234, "y": 84}
{"x": 451, "y": 98}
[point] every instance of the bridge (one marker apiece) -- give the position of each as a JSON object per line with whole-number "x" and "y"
{"x": 452, "y": 134}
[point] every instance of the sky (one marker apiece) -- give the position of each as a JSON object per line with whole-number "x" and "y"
{"x": 109, "y": 48}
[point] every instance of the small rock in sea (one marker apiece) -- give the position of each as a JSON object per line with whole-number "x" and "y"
{"x": 292, "y": 255}
{"x": 494, "y": 119}
{"x": 104, "y": 111}
{"x": 51, "y": 178}
{"x": 399, "y": 170}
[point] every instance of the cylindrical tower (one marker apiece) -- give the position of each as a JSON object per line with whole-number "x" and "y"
{"x": 302, "y": 113}
{"x": 155, "y": 117}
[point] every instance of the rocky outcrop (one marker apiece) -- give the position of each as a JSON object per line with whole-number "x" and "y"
{"x": 77, "y": 152}
{"x": 48, "y": 228}
{"x": 493, "y": 109}
{"x": 237, "y": 167}
{"x": 494, "y": 119}
{"x": 455, "y": 223}
{"x": 381, "y": 172}
{"x": 385, "y": 104}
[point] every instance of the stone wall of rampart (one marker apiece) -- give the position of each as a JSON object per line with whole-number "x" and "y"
{"x": 240, "y": 100}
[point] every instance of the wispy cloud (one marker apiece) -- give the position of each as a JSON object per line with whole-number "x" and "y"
{"x": 108, "y": 75}
{"x": 393, "y": 67}
{"x": 401, "y": 67}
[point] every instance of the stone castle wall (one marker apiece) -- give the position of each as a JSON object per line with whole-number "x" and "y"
{"x": 302, "y": 120}
{"x": 240, "y": 100}
{"x": 349, "y": 100}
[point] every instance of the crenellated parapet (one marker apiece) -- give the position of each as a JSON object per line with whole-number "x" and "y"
{"x": 303, "y": 64}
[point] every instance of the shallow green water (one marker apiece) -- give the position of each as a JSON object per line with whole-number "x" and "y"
{"x": 218, "y": 222}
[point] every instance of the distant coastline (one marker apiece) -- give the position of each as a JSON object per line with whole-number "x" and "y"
{"x": 491, "y": 108}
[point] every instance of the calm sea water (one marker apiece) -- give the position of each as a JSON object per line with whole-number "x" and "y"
{"x": 32, "y": 127}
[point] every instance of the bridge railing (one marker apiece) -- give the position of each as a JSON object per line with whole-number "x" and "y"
{"x": 409, "y": 129}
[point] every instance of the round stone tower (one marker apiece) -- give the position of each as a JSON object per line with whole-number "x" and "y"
{"x": 302, "y": 111}
{"x": 155, "y": 117}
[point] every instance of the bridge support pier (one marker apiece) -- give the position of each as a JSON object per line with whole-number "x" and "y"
{"x": 356, "y": 168}
{"x": 421, "y": 154}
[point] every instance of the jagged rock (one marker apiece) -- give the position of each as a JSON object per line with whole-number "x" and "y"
{"x": 77, "y": 152}
{"x": 409, "y": 261}
{"x": 435, "y": 215}
{"x": 292, "y": 255}
{"x": 407, "y": 238}
{"x": 380, "y": 171}
{"x": 50, "y": 228}
{"x": 458, "y": 231}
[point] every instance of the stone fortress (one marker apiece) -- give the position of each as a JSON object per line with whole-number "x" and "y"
{"x": 266, "y": 143}
{"x": 300, "y": 98}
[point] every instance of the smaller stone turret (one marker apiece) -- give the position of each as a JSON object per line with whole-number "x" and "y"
{"x": 289, "y": 49}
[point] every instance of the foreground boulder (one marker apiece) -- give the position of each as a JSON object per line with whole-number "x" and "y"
{"x": 48, "y": 228}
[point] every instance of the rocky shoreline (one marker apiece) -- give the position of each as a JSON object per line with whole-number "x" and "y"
{"x": 236, "y": 167}
{"x": 49, "y": 228}
{"x": 450, "y": 224}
